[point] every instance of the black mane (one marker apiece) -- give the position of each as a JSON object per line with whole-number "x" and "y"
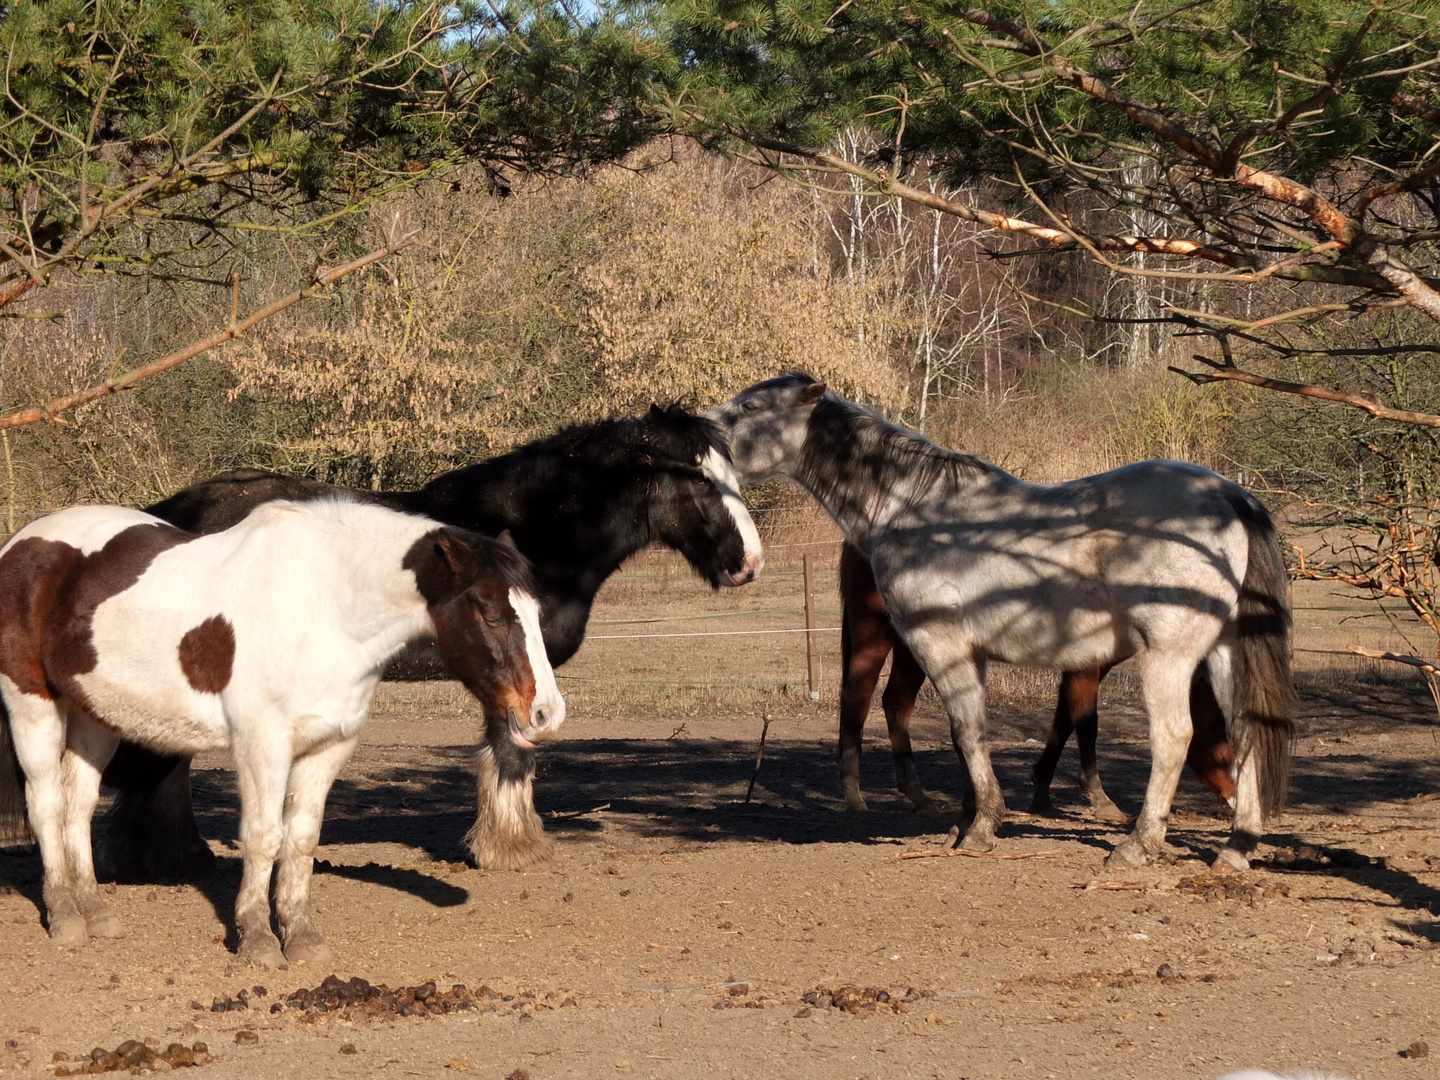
{"x": 501, "y": 561}
{"x": 668, "y": 438}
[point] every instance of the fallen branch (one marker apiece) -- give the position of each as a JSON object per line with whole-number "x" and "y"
{"x": 1112, "y": 886}
{"x": 1399, "y": 658}
{"x": 232, "y": 330}
{"x": 945, "y": 853}
{"x": 555, "y": 815}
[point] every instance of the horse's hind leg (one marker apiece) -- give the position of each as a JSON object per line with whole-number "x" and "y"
{"x": 1166, "y": 689}
{"x": 261, "y": 772}
{"x": 90, "y": 745}
{"x": 1249, "y": 821}
{"x": 38, "y": 730}
{"x": 960, "y": 679}
{"x": 310, "y": 780}
{"x": 867, "y": 640}
{"x": 898, "y": 701}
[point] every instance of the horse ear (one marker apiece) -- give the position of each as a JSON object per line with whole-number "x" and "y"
{"x": 456, "y": 554}
{"x": 811, "y": 394}
{"x": 508, "y": 540}
{"x": 656, "y": 412}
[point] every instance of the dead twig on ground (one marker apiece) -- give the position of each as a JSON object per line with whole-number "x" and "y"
{"x": 760, "y": 757}
{"x": 945, "y": 853}
{"x": 556, "y": 815}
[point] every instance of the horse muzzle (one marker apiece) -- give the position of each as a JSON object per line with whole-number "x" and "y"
{"x": 543, "y": 726}
{"x": 749, "y": 571}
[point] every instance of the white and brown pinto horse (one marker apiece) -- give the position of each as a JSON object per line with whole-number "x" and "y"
{"x": 1161, "y": 560}
{"x": 267, "y": 639}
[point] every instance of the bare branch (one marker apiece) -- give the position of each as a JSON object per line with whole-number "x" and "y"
{"x": 1224, "y": 371}
{"x": 232, "y": 330}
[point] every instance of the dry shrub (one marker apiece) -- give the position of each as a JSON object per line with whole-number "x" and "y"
{"x": 569, "y": 300}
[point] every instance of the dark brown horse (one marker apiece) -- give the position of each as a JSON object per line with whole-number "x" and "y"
{"x": 867, "y": 638}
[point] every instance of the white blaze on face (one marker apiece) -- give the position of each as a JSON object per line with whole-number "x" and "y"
{"x": 547, "y": 711}
{"x": 720, "y": 473}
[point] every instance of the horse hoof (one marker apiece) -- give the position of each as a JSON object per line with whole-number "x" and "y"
{"x": 1043, "y": 808}
{"x": 69, "y": 931}
{"x": 1111, "y": 814}
{"x": 856, "y": 803}
{"x": 1230, "y": 861}
{"x": 263, "y": 954}
{"x": 309, "y": 952}
{"x": 978, "y": 841}
{"x": 105, "y": 924}
{"x": 927, "y": 805}
{"x": 1127, "y": 856}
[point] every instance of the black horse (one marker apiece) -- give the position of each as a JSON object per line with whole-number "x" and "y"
{"x": 577, "y": 505}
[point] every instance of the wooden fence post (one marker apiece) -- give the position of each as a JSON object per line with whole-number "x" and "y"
{"x": 812, "y": 646}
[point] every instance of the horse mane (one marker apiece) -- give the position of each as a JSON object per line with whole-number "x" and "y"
{"x": 501, "y": 560}
{"x": 670, "y": 438}
{"x": 853, "y": 451}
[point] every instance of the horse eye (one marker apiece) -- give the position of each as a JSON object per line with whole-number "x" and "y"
{"x": 750, "y": 405}
{"x": 489, "y": 615}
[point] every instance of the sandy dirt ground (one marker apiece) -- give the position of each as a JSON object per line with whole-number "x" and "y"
{"x": 682, "y": 933}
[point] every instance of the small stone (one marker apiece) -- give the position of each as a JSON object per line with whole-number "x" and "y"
{"x": 348, "y": 1048}
{"x": 246, "y": 1037}
{"x": 1418, "y": 1049}
{"x": 458, "y": 1064}
{"x": 1165, "y": 972}
{"x": 59, "y": 1055}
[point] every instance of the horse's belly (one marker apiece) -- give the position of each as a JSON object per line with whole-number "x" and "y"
{"x": 160, "y": 713}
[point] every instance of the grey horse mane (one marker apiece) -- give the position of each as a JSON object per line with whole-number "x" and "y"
{"x": 853, "y": 452}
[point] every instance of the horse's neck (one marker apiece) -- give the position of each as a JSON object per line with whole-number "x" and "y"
{"x": 862, "y": 509}
{"x": 377, "y": 601}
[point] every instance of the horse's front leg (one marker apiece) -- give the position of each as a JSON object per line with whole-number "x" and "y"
{"x": 309, "y": 784}
{"x": 1166, "y": 691}
{"x": 262, "y": 769}
{"x": 38, "y": 729}
{"x": 508, "y": 833}
{"x": 90, "y": 744}
{"x": 898, "y": 701}
{"x": 959, "y": 676}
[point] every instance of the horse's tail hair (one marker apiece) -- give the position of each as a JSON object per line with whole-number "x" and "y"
{"x": 1264, "y": 707}
{"x": 14, "y": 824}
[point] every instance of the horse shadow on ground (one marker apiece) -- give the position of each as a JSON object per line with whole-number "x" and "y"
{"x": 692, "y": 792}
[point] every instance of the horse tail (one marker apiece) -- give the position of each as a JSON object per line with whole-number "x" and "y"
{"x": 14, "y": 824}
{"x": 1263, "y": 720}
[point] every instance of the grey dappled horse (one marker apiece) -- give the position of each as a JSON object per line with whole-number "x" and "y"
{"x": 1160, "y": 560}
